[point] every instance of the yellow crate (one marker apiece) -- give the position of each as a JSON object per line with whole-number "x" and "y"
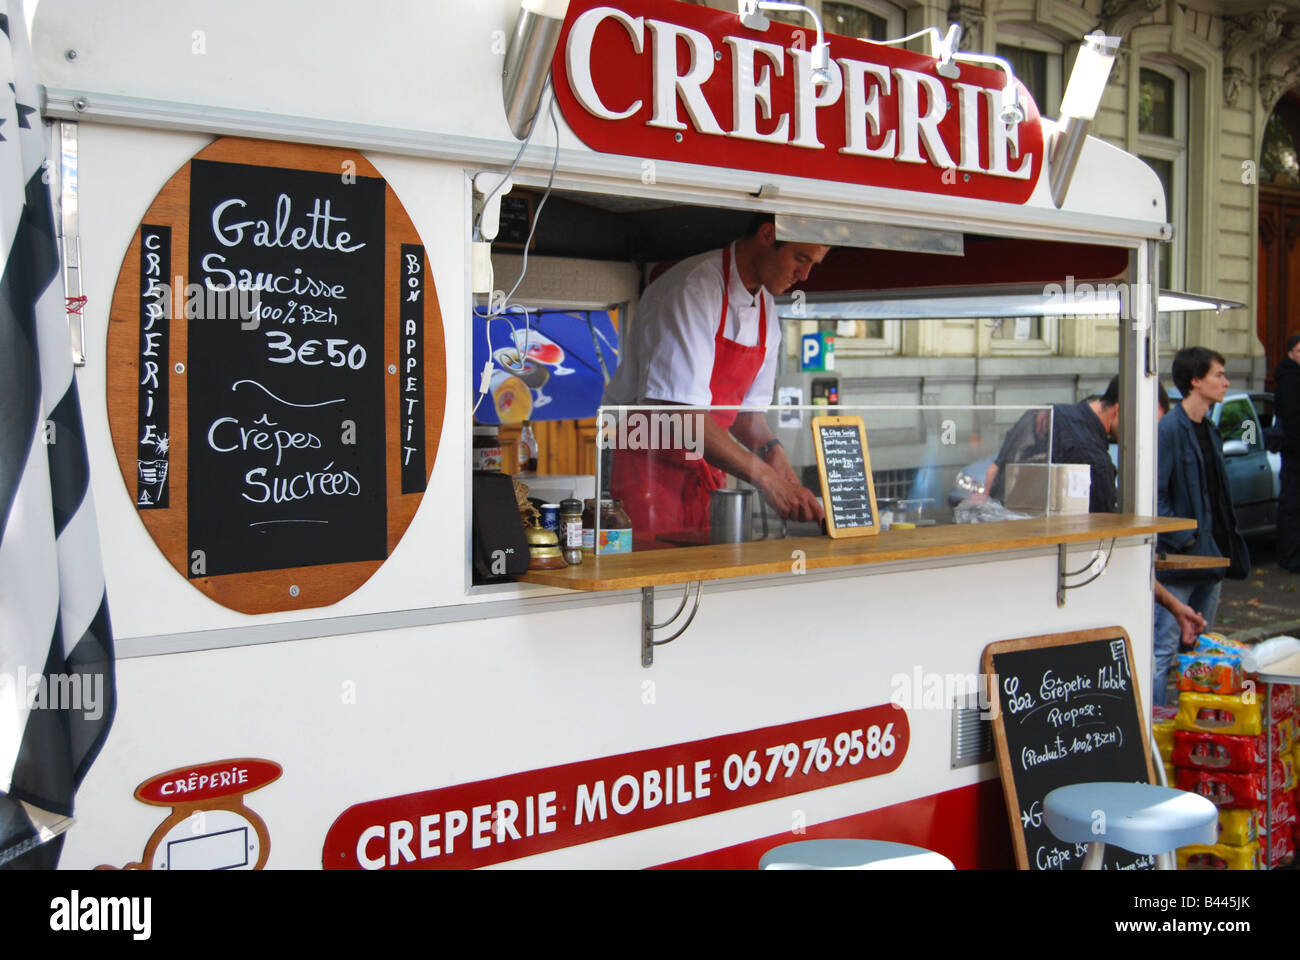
{"x": 1218, "y": 713}
{"x": 1238, "y": 828}
{"x": 1219, "y": 856}
{"x": 1164, "y": 734}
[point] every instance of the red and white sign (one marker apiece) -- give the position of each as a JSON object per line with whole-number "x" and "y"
{"x": 207, "y": 781}
{"x": 672, "y": 81}
{"x": 476, "y": 824}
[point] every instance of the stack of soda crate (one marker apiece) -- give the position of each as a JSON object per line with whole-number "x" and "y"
{"x": 1220, "y": 751}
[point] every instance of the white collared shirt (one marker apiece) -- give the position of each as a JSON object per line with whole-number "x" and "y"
{"x": 670, "y": 352}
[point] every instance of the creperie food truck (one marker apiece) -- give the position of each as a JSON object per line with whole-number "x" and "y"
{"x": 283, "y": 226}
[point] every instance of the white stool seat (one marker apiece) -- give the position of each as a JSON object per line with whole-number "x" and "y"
{"x": 849, "y": 854}
{"x": 1139, "y": 817}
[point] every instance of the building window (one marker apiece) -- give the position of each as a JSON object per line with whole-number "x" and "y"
{"x": 1156, "y": 107}
{"x": 1162, "y": 144}
{"x": 1036, "y": 61}
{"x": 1021, "y": 336}
{"x": 867, "y": 21}
{"x": 1279, "y": 162}
{"x": 863, "y": 338}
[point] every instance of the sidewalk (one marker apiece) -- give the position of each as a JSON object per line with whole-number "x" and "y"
{"x": 1265, "y": 604}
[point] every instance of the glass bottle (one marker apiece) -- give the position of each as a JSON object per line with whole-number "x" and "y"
{"x": 527, "y": 449}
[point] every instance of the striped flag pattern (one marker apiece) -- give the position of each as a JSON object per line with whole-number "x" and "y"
{"x": 56, "y": 648}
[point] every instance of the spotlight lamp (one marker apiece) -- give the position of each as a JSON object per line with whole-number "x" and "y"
{"x": 750, "y": 12}
{"x": 528, "y": 61}
{"x": 1078, "y": 108}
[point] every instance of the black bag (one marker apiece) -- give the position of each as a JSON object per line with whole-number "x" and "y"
{"x": 500, "y": 545}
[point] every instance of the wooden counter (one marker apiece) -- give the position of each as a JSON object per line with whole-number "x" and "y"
{"x": 652, "y": 568}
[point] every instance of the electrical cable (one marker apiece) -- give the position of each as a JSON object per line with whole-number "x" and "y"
{"x": 495, "y": 312}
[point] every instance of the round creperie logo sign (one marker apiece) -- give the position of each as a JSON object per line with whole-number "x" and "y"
{"x": 670, "y": 81}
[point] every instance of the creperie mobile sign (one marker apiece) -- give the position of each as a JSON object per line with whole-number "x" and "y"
{"x": 489, "y": 821}
{"x": 672, "y": 81}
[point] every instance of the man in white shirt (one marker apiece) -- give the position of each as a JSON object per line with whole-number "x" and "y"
{"x": 706, "y": 333}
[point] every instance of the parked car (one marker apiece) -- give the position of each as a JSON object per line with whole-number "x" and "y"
{"x": 1254, "y": 474}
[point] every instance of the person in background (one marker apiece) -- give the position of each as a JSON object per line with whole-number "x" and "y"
{"x": 1190, "y": 623}
{"x": 1079, "y": 433}
{"x": 1193, "y": 482}
{"x": 1286, "y": 420}
{"x": 1026, "y": 442}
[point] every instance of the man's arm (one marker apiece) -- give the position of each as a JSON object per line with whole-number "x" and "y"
{"x": 775, "y": 479}
{"x": 779, "y": 483}
{"x": 1191, "y": 622}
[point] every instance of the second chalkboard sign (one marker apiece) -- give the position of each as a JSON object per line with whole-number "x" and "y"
{"x": 1065, "y": 711}
{"x": 844, "y": 467}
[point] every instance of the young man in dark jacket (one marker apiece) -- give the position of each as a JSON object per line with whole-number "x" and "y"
{"x": 1193, "y": 482}
{"x": 1286, "y": 394}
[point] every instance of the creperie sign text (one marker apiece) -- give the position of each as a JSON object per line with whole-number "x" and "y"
{"x": 535, "y": 811}
{"x": 652, "y": 86}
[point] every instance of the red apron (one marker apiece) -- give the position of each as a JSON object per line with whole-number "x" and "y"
{"x": 664, "y": 490}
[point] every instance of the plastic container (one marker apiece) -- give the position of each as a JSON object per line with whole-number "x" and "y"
{"x": 487, "y": 449}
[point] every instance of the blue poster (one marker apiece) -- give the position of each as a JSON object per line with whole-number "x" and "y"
{"x": 548, "y": 365}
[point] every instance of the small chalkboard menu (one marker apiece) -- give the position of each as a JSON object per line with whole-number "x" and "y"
{"x": 516, "y": 219}
{"x": 1065, "y": 710}
{"x": 276, "y": 375}
{"x": 844, "y": 467}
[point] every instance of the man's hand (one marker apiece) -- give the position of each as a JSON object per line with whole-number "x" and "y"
{"x": 787, "y": 496}
{"x": 1192, "y": 624}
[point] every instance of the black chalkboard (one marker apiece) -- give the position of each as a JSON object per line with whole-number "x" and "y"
{"x": 844, "y": 466}
{"x": 286, "y": 409}
{"x": 515, "y": 221}
{"x": 1065, "y": 710}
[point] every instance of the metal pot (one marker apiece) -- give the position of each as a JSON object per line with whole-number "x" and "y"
{"x": 731, "y": 516}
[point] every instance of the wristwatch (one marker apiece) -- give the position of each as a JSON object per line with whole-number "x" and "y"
{"x": 766, "y": 448}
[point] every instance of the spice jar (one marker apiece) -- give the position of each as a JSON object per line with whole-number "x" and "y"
{"x": 571, "y": 530}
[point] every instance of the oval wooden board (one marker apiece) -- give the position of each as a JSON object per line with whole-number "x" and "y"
{"x": 264, "y": 591}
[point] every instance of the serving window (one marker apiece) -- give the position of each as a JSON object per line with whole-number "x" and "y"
{"x": 593, "y": 255}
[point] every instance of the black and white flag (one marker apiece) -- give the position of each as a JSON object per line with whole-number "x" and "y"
{"x": 56, "y": 647}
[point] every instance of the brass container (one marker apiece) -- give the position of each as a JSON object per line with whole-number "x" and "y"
{"x": 544, "y": 549}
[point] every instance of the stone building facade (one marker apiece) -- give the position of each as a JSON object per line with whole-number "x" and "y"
{"x": 1191, "y": 92}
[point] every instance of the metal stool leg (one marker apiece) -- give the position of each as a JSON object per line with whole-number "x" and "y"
{"x": 1092, "y": 859}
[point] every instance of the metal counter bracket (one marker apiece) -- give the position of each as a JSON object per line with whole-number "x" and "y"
{"x": 648, "y": 626}
{"x": 1062, "y": 573}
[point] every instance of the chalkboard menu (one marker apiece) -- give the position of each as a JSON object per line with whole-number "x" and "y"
{"x": 844, "y": 468}
{"x": 1065, "y": 710}
{"x": 286, "y": 404}
{"x": 514, "y": 222}
{"x": 276, "y": 350}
